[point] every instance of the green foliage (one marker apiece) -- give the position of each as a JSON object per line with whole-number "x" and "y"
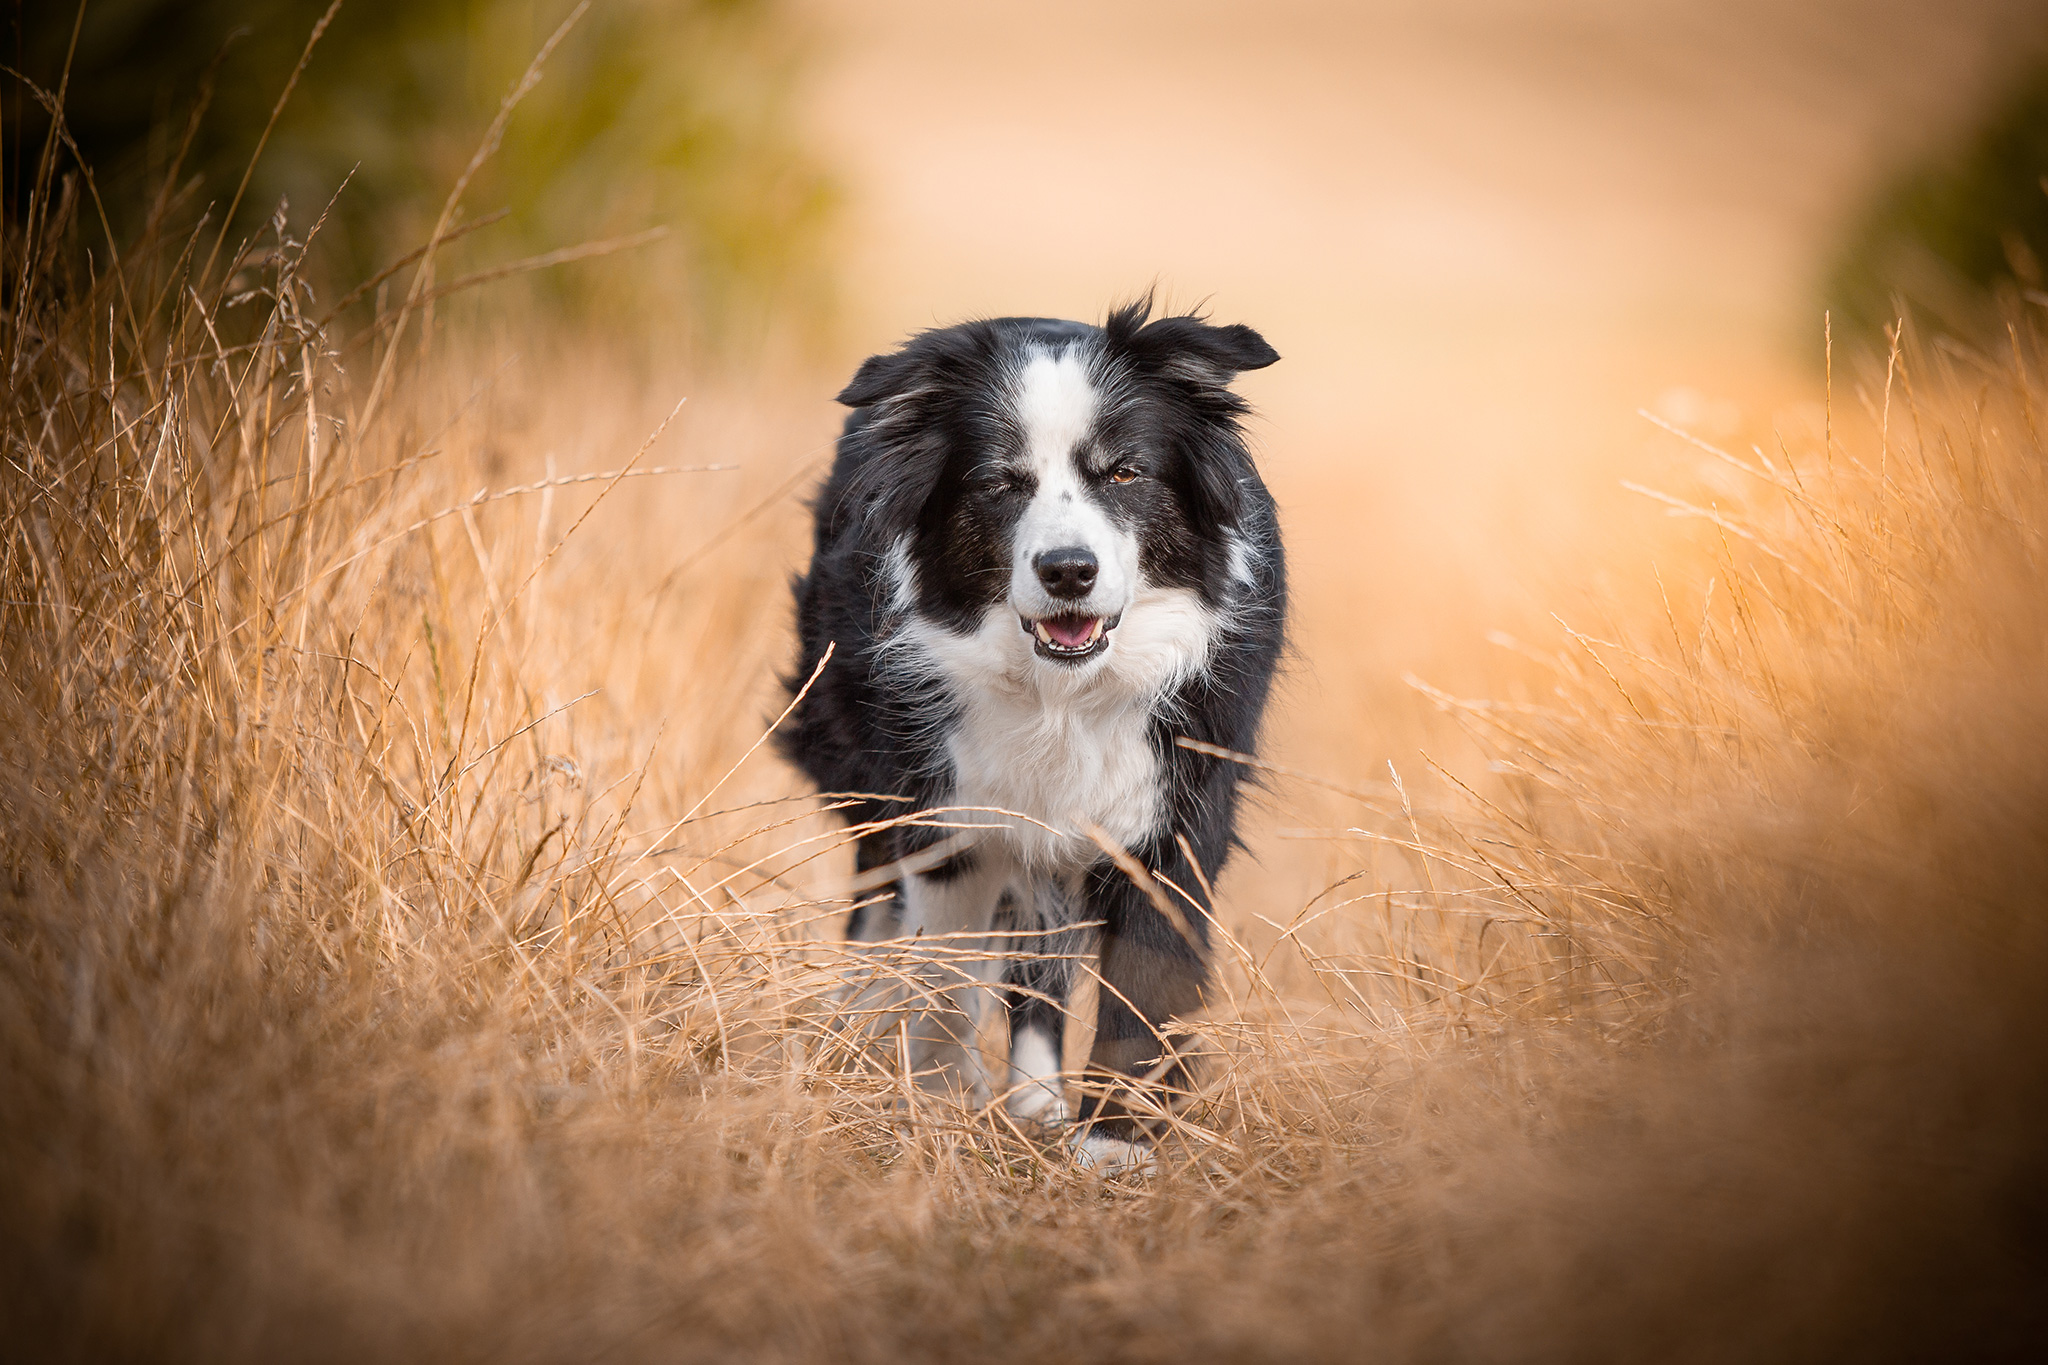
{"x": 1951, "y": 234}
{"x": 674, "y": 113}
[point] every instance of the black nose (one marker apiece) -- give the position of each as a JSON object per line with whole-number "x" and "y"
{"x": 1068, "y": 571}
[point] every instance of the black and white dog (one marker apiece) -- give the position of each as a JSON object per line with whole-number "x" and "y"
{"x": 1043, "y": 554}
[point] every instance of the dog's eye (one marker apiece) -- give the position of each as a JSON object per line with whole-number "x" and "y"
{"x": 1125, "y": 473}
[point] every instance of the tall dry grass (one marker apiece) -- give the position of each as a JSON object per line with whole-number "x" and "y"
{"x": 405, "y": 954}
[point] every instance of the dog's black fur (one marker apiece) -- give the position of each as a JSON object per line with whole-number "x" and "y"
{"x": 933, "y": 465}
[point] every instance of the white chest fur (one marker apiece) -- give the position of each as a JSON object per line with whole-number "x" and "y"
{"x": 1062, "y": 762}
{"x": 1056, "y": 744}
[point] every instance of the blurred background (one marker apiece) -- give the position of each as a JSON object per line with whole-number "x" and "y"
{"x": 403, "y": 953}
{"x": 1483, "y": 234}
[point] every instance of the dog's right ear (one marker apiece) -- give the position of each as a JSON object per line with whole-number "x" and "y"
{"x": 902, "y": 454}
{"x": 879, "y": 377}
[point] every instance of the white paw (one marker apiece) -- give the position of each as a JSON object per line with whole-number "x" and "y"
{"x": 1113, "y": 1156}
{"x": 1038, "y": 1093}
{"x": 1038, "y": 1102}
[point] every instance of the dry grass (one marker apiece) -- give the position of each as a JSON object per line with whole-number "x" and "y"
{"x": 368, "y": 990}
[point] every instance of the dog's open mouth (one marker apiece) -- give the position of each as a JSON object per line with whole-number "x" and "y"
{"x": 1069, "y": 638}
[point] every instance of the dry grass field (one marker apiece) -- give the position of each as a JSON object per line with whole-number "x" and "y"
{"x": 407, "y": 953}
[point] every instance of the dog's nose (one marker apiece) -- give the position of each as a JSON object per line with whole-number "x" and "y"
{"x": 1068, "y": 571}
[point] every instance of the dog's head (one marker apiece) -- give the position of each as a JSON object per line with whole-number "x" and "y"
{"x": 1057, "y": 474}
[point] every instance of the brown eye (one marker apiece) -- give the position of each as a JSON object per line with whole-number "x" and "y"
{"x": 1124, "y": 473}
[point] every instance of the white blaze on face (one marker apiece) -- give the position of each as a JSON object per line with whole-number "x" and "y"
{"x": 1056, "y": 406}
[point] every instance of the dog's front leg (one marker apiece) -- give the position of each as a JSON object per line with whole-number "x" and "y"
{"x": 1152, "y": 974}
{"x": 1039, "y": 981}
{"x": 952, "y": 962}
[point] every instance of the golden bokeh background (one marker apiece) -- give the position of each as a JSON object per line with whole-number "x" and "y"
{"x": 411, "y": 948}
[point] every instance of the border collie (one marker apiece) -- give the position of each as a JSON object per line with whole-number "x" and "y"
{"x": 1043, "y": 555}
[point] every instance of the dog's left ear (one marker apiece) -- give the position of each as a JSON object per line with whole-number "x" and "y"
{"x": 1187, "y": 348}
{"x": 1198, "y": 361}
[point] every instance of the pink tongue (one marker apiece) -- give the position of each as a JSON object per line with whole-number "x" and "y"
{"x": 1071, "y": 632}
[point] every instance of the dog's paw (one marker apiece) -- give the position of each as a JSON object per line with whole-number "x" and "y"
{"x": 1037, "y": 1104}
{"x": 1110, "y": 1156}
